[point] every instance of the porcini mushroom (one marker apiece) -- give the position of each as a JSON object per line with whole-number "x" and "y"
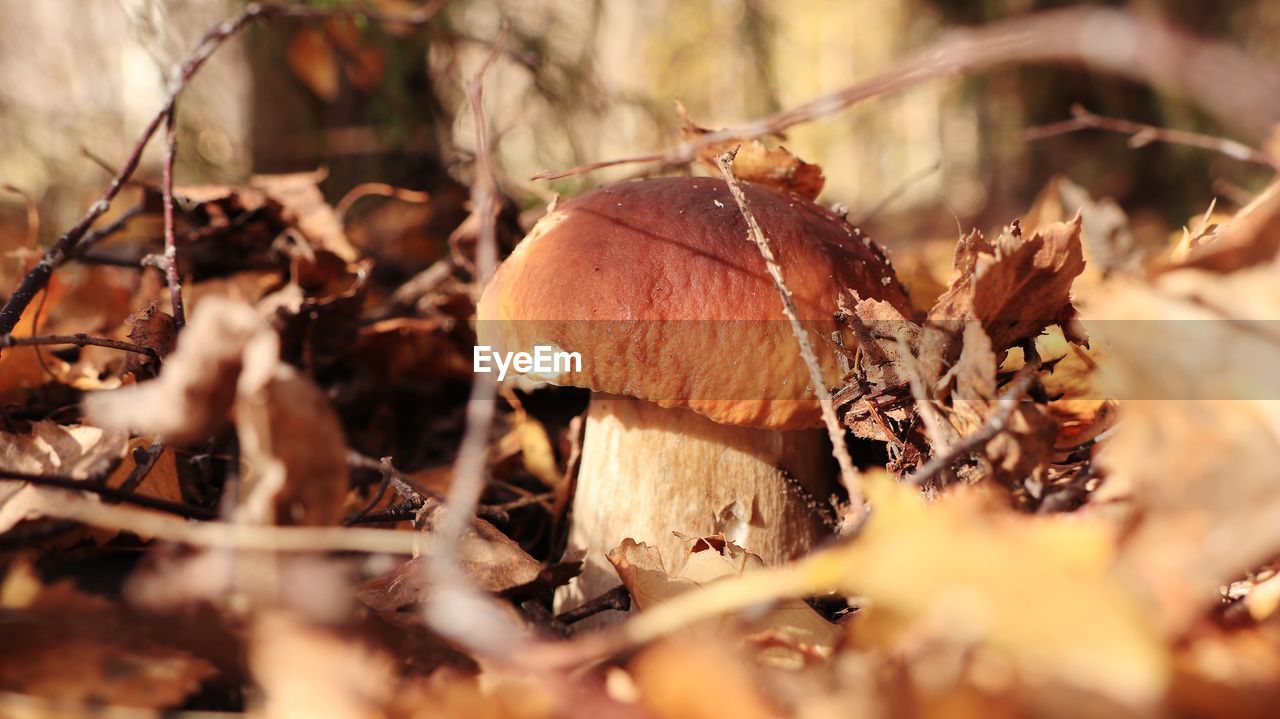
{"x": 701, "y": 420}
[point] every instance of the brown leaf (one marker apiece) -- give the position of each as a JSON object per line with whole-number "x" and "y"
{"x": 754, "y": 162}
{"x": 62, "y": 644}
{"x": 305, "y": 207}
{"x": 1197, "y": 448}
{"x": 1251, "y": 238}
{"x": 313, "y": 61}
{"x": 291, "y": 442}
{"x": 79, "y": 452}
{"x": 192, "y": 397}
{"x": 1109, "y": 245}
{"x": 697, "y": 679}
{"x": 151, "y": 328}
{"x": 802, "y": 633}
{"x": 1016, "y": 286}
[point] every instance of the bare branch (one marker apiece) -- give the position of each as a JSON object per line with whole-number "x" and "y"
{"x": 1142, "y": 134}
{"x": 1240, "y": 92}
{"x": 79, "y": 340}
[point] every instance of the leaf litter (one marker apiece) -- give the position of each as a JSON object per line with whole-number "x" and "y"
{"x": 1077, "y": 513}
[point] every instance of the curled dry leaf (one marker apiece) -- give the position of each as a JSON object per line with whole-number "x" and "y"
{"x": 1016, "y": 285}
{"x": 789, "y": 634}
{"x": 291, "y": 442}
{"x": 63, "y": 644}
{"x": 772, "y": 166}
{"x": 1109, "y": 245}
{"x": 152, "y": 328}
{"x": 306, "y": 209}
{"x": 192, "y": 397}
{"x": 1251, "y": 238}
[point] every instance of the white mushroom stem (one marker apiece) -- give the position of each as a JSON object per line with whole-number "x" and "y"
{"x": 647, "y": 472}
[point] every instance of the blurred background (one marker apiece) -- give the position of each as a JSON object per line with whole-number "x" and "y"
{"x": 587, "y": 80}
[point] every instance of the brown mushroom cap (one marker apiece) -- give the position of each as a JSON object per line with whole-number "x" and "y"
{"x": 658, "y": 286}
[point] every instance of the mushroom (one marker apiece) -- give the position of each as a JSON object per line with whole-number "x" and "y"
{"x": 701, "y": 419}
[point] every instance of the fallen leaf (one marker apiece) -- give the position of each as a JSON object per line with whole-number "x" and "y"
{"x": 62, "y": 644}
{"x": 1037, "y": 591}
{"x": 754, "y": 162}
{"x": 192, "y": 397}
{"x": 313, "y": 61}
{"x": 1251, "y": 238}
{"x": 288, "y": 479}
{"x": 305, "y": 207}
{"x": 802, "y": 634}
{"x": 697, "y": 679}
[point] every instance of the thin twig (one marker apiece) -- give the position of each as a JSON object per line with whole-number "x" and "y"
{"x": 79, "y": 340}
{"x": 941, "y": 434}
{"x": 1224, "y": 81}
{"x": 994, "y": 425}
{"x": 171, "y": 277}
{"x": 110, "y": 493}
{"x": 849, "y": 474}
{"x": 1141, "y": 134}
{"x": 151, "y": 525}
{"x": 616, "y": 599}
{"x": 39, "y": 275}
{"x": 101, "y": 233}
{"x": 144, "y": 460}
{"x": 488, "y": 631}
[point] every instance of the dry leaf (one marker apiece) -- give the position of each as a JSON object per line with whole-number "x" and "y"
{"x": 192, "y": 396}
{"x": 62, "y": 644}
{"x": 291, "y": 440}
{"x": 1016, "y": 285}
{"x": 313, "y": 61}
{"x": 1251, "y": 238}
{"x": 305, "y": 207}
{"x": 801, "y": 633}
{"x": 1197, "y": 444}
{"x": 1037, "y": 591}
{"x": 697, "y": 679}
{"x": 754, "y": 162}
{"x": 51, "y": 449}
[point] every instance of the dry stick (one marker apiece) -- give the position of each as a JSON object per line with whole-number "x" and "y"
{"x": 486, "y": 629}
{"x": 939, "y": 429}
{"x": 79, "y": 340}
{"x": 1142, "y": 134}
{"x": 171, "y": 277}
{"x": 151, "y": 525}
{"x": 111, "y": 493}
{"x": 38, "y": 277}
{"x": 849, "y": 475}
{"x": 1240, "y": 92}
